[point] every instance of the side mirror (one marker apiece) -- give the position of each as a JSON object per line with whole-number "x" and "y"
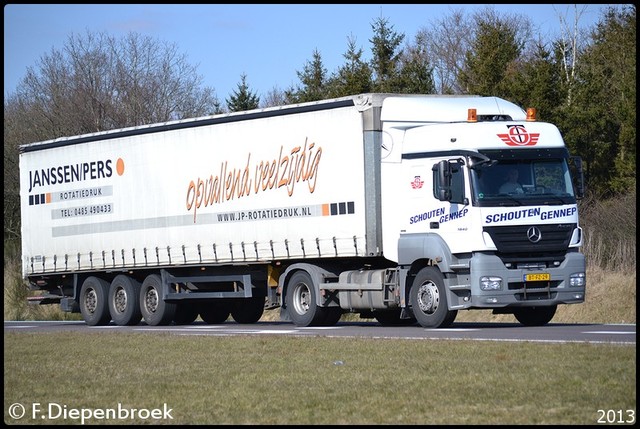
{"x": 578, "y": 176}
{"x": 443, "y": 185}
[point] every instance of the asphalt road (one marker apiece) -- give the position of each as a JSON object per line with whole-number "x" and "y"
{"x": 551, "y": 333}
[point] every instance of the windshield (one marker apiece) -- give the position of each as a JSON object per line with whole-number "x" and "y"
{"x": 524, "y": 181}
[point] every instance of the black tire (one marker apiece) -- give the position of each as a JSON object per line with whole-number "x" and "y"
{"x": 428, "y": 298}
{"x": 94, "y": 297}
{"x": 155, "y": 311}
{"x": 535, "y": 316}
{"x": 215, "y": 312}
{"x": 392, "y": 318}
{"x": 186, "y": 313}
{"x": 301, "y": 301}
{"x": 124, "y": 301}
{"x": 248, "y": 310}
{"x": 332, "y": 315}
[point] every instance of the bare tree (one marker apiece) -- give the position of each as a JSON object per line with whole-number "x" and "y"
{"x": 98, "y": 82}
{"x": 275, "y": 97}
{"x": 446, "y": 44}
{"x": 95, "y": 83}
{"x": 570, "y": 45}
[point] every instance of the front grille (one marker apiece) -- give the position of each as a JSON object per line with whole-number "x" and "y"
{"x": 514, "y": 241}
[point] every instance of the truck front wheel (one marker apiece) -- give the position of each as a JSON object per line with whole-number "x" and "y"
{"x": 94, "y": 305}
{"x": 332, "y": 315}
{"x": 124, "y": 301}
{"x": 428, "y": 298}
{"x": 535, "y": 316}
{"x": 301, "y": 301}
{"x": 155, "y": 311}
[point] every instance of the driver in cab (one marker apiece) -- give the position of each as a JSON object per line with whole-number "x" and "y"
{"x": 512, "y": 186}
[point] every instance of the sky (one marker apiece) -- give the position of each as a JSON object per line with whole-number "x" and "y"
{"x": 269, "y": 43}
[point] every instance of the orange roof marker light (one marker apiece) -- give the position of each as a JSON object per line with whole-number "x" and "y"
{"x": 531, "y": 114}
{"x": 472, "y": 116}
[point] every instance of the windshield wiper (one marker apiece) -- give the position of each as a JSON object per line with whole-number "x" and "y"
{"x": 512, "y": 201}
{"x": 553, "y": 199}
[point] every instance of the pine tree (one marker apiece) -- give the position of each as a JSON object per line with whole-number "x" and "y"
{"x": 416, "y": 74}
{"x": 602, "y": 118}
{"x": 536, "y": 82}
{"x": 492, "y": 52}
{"x": 242, "y": 98}
{"x": 314, "y": 80}
{"x": 354, "y": 77}
{"x": 385, "y": 43}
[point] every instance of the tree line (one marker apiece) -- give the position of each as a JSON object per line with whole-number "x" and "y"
{"x": 583, "y": 81}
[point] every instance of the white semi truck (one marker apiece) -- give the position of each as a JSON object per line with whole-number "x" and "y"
{"x": 385, "y": 205}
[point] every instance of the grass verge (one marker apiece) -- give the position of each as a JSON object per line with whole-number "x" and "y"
{"x": 301, "y": 380}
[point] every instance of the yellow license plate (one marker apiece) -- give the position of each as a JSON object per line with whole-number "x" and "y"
{"x": 541, "y": 277}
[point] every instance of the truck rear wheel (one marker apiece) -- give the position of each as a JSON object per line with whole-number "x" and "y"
{"x": 186, "y": 313}
{"x": 124, "y": 301}
{"x": 428, "y": 298}
{"x": 155, "y": 311}
{"x": 301, "y": 301}
{"x": 535, "y": 316}
{"x": 94, "y": 305}
{"x": 216, "y": 312}
{"x": 248, "y": 310}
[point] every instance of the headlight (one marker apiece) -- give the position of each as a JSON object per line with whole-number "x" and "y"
{"x": 577, "y": 279}
{"x": 490, "y": 283}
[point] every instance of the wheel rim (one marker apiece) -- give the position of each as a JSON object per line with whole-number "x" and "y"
{"x": 120, "y": 300}
{"x": 301, "y": 299}
{"x": 151, "y": 300}
{"x": 91, "y": 301}
{"x": 428, "y": 298}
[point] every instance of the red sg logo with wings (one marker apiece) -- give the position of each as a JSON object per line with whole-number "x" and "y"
{"x": 518, "y": 136}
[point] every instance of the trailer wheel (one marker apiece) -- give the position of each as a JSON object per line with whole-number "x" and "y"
{"x": 301, "y": 301}
{"x": 215, "y": 313}
{"x": 248, "y": 310}
{"x": 535, "y": 316}
{"x": 428, "y": 299}
{"x": 155, "y": 311}
{"x": 186, "y": 313}
{"x": 94, "y": 305}
{"x": 124, "y": 301}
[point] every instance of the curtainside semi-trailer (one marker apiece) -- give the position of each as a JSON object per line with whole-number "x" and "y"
{"x": 402, "y": 208}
